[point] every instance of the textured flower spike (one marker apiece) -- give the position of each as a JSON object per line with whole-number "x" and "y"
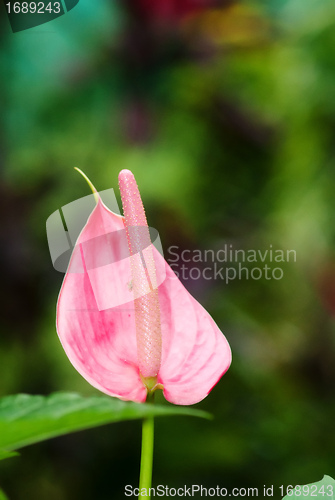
{"x": 125, "y": 342}
{"x": 144, "y": 281}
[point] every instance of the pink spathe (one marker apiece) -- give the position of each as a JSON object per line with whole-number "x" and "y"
{"x": 158, "y": 332}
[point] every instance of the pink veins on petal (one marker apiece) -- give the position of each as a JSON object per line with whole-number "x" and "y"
{"x": 117, "y": 335}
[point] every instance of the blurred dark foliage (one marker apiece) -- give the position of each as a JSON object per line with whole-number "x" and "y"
{"x": 225, "y": 112}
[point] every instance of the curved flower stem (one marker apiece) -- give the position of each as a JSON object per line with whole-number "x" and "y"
{"x": 147, "y": 454}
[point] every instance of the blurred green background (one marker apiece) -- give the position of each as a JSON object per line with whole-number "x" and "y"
{"x": 225, "y": 112}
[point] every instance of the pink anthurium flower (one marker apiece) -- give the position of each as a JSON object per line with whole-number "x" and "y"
{"x": 126, "y": 322}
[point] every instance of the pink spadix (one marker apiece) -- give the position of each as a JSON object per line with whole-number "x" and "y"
{"x": 144, "y": 281}
{"x": 158, "y": 336}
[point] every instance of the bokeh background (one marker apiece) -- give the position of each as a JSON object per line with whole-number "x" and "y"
{"x": 225, "y": 112}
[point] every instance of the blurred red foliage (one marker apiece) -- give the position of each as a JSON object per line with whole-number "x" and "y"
{"x": 171, "y": 11}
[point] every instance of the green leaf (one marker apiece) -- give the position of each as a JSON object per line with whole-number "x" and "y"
{"x": 26, "y": 419}
{"x": 7, "y": 454}
{"x": 2, "y": 495}
{"x": 324, "y": 489}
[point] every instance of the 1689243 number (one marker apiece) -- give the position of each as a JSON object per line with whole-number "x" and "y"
{"x": 33, "y": 8}
{"x": 308, "y": 490}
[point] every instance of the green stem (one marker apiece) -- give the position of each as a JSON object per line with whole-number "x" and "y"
{"x": 147, "y": 453}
